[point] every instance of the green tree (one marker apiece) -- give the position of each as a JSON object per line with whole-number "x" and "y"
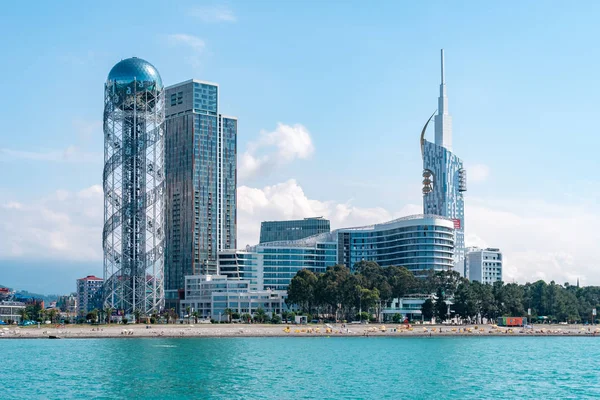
{"x": 441, "y": 308}
{"x": 465, "y": 301}
{"x": 336, "y": 290}
{"x": 188, "y": 310}
{"x": 247, "y": 317}
{"x": 23, "y": 314}
{"x": 275, "y": 319}
{"x": 108, "y": 312}
{"x": 137, "y": 314}
{"x": 259, "y": 315}
{"x": 401, "y": 281}
{"x": 301, "y": 290}
{"x": 91, "y": 316}
{"x": 52, "y": 314}
{"x": 229, "y": 313}
{"x": 375, "y": 279}
{"x": 427, "y": 309}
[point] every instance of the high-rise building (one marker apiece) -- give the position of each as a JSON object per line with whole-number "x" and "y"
{"x": 483, "y": 265}
{"x": 89, "y": 294}
{"x": 273, "y": 231}
{"x": 444, "y": 177}
{"x": 201, "y": 180}
{"x": 133, "y": 181}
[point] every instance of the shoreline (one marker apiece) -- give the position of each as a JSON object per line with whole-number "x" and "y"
{"x": 287, "y": 330}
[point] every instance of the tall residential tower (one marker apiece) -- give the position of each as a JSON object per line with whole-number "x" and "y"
{"x": 133, "y": 182}
{"x": 444, "y": 178}
{"x": 201, "y": 180}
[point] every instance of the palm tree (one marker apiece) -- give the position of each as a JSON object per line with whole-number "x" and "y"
{"x": 108, "y": 311}
{"x": 247, "y": 317}
{"x": 228, "y": 312}
{"x": 195, "y": 315}
{"x": 42, "y": 315}
{"x": 23, "y": 314}
{"x": 260, "y": 315}
{"x": 52, "y": 314}
{"x": 187, "y": 310}
{"x": 137, "y": 314}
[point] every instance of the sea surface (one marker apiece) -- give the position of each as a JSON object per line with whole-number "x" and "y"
{"x": 301, "y": 368}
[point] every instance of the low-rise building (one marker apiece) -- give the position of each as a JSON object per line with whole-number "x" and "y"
{"x": 211, "y": 295}
{"x": 483, "y": 265}
{"x": 10, "y": 311}
{"x": 273, "y": 265}
{"x": 89, "y": 293}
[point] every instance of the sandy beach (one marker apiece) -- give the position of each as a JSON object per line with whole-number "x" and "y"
{"x": 283, "y": 330}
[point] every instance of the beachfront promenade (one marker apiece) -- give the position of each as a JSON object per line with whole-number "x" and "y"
{"x": 283, "y": 330}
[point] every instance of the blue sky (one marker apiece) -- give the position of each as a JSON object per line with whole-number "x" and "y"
{"x": 333, "y": 96}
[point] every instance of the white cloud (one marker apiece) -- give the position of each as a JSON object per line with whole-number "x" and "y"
{"x": 86, "y": 129}
{"x": 478, "y": 173}
{"x": 540, "y": 240}
{"x": 62, "y": 226}
{"x": 276, "y": 148}
{"x": 192, "y": 42}
{"x": 217, "y": 13}
{"x": 83, "y": 129}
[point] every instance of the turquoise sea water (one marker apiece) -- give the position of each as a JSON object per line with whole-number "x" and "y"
{"x": 301, "y": 368}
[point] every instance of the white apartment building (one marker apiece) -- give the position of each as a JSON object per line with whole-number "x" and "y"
{"x": 89, "y": 292}
{"x": 211, "y": 295}
{"x": 483, "y": 265}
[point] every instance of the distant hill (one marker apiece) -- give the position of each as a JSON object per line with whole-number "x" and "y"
{"x": 48, "y": 298}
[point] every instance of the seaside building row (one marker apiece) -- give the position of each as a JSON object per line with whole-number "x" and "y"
{"x": 170, "y": 233}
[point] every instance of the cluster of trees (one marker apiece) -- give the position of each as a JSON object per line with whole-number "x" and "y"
{"x": 548, "y": 302}
{"x": 35, "y": 312}
{"x": 342, "y": 294}
{"x": 339, "y": 293}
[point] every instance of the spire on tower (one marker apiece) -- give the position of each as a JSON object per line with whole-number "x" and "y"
{"x": 443, "y": 121}
{"x": 443, "y": 75}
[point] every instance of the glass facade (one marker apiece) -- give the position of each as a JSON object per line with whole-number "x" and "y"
{"x": 273, "y": 231}
{"x": 201, "y": 179}
{"x": 418, "y": 243}
{"x": 272, "y": 266}
{"x": 444, "y": 195}
{"x": 280, "y": 264}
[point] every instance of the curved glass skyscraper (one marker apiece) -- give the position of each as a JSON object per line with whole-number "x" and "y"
{"x": 133, "y": 181}
{"x": 444, "y": 177}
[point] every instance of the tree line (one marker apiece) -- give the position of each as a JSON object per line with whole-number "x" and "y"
{"x": 340, "y": 293}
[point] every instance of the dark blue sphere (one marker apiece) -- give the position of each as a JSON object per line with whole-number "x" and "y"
{"x": 133, "y": 69}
